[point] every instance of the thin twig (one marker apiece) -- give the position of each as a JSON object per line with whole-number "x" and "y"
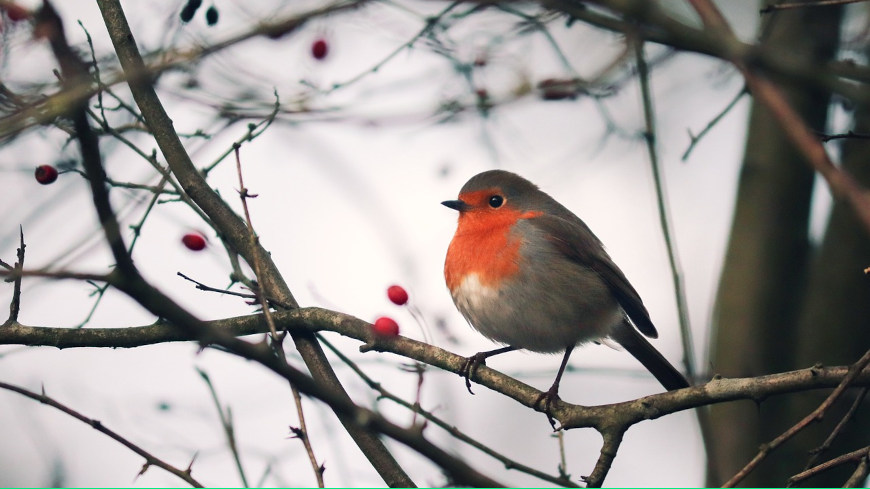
{"x": 664, "y": 214}
{"x": 100, "y": 292}
{"x": 244, "y": 195}
{"x": 254, "y": 131}
{"x": 137, "y": 228}
{"x": 47, "y": 109}
{"x": 165, "y": 174}
{"x": 860, "y": 474}
{"x": 226, "y": 418}
{"x": 207, "y": 288}
{"x": 541, "y": 28}
{"x": 817, "y": 452}
{"x": 97, "y": 425}
{"x": 563, "y": 463}
{"x": 855, "y": 456}
{"x": 694, "y": 139}
{"x": 430, "y": 23}
{"x": 302, "y": 431}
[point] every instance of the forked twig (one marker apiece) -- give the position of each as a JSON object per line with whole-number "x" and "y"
{"x": 816, "y": 453}
{"x": 226, "y": 418}
{"x": 97, "y": 425}
{"x": 814, "y": 416}
{"x": 563, "y": 480}
{"x": 695, "y": 138}
{"x": 15, "y": 304}
{"x": 859, "y": 455}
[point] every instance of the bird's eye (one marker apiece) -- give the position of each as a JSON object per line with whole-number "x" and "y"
{"x": 496, "y": 201}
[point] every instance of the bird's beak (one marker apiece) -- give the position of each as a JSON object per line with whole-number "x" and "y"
{"x": 457, "y": 205}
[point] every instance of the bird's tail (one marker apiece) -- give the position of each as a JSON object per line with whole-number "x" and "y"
{"x": 640, "y": 348}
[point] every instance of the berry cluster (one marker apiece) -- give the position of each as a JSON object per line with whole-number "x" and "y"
{"x": 387, "y": 326}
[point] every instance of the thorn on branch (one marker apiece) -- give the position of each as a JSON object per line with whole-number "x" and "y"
{"x": 15, "y": 304}
{"x": 190, "y": 465}
{"x": 297, "y": 432}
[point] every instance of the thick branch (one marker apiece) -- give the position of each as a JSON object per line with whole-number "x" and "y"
{"x": 612, "y": 440}
{"x": 571, "y": 416}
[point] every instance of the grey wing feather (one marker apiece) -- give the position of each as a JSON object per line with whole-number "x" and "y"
{"x": 570, "y": 235}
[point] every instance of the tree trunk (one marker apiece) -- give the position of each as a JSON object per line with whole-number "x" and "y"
{"x": 766, "y": 262}
{"x": 834, "y": 326}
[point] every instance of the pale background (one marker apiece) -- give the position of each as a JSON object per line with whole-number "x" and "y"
{"x": 349, "y": 204}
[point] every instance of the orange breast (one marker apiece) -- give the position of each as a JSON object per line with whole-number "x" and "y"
{"x": 483, "y": 245}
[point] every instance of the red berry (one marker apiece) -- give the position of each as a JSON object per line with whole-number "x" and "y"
{"x": 319, "y": 49}
{"x": 385, "y": 326}
{"x": 16, "y": 12}
{"x": 194, "y": 241}
{"x": 45, "y": 174}
{"x": 397, "y": 294}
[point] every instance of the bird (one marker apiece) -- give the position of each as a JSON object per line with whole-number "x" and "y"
{"x": 528, "y": 273}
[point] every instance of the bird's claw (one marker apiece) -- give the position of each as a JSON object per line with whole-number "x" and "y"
{"x": 544, "y": 402}
{"x": 469, "y": 366}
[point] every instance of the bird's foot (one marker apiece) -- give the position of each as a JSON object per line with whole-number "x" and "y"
{"x": 544, "y": 402}
{"x": 470, "y": 365}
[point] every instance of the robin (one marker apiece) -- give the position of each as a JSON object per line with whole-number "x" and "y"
{"x": 528, "y": 273}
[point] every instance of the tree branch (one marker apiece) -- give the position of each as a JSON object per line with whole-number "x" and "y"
{"x": 842, "y": 184}
{"x": 149, "y": 459}
{"x": 232, "y": 229}
{"x": 859, "y": 456}
{"x": 848, "y": 381}
{"x": 315, "y": 319}
{"x": 15, "y": 303}
{"x": 650, "y": 22}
